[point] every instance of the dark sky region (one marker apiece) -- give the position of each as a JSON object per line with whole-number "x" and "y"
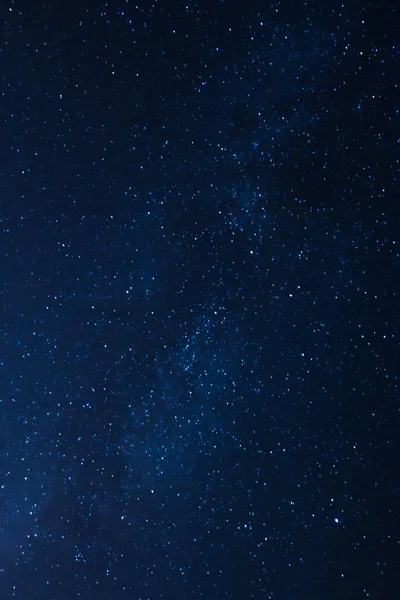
{"x": 199, "y": 300}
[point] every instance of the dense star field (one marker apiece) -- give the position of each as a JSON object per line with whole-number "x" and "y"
{"x": 199, "y": 300}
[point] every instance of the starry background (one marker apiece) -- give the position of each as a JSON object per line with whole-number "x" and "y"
{"x": 199, "y": 300}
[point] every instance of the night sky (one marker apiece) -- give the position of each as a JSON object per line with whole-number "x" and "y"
{"x": 199, "y": 300}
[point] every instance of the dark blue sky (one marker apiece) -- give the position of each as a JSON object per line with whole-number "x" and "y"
{"x": 199, "y": 300}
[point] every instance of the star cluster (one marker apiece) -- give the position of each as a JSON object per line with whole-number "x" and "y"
{"x": 199, "y": 300}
